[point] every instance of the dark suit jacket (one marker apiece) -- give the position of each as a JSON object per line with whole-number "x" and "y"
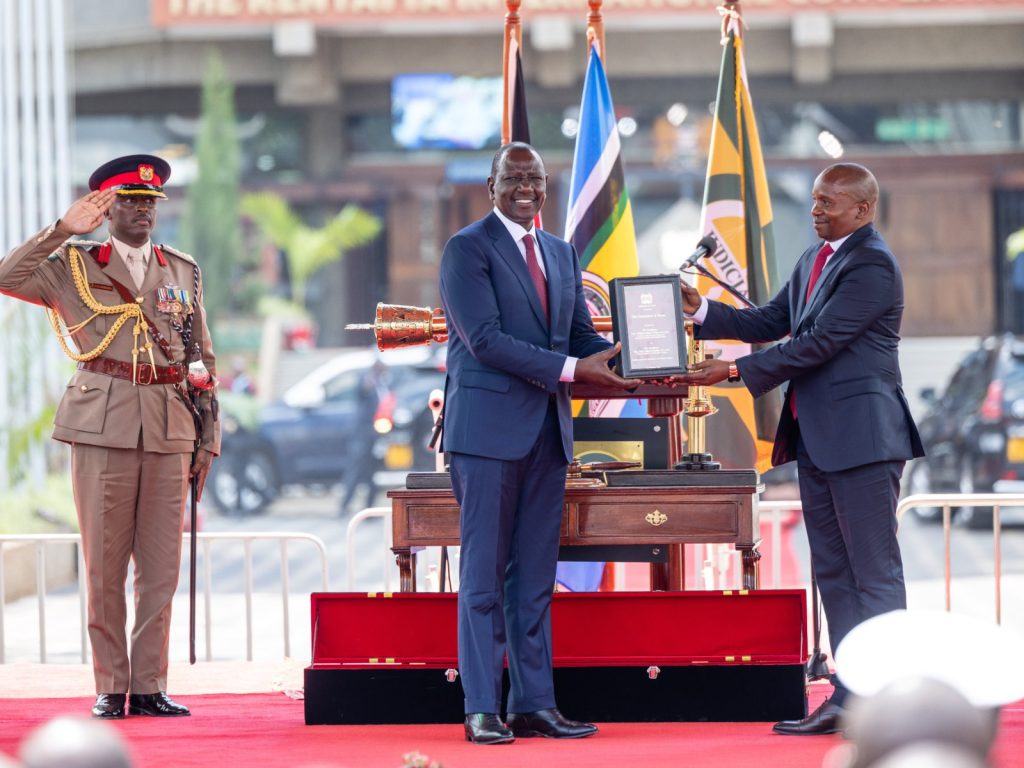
{"x": 504, "y": 361}
{"x": 841, "y": 358}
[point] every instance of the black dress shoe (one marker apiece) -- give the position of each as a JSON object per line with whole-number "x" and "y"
{"x": 825, "y": 719}
{"x": 485, "y": 728}
{"x": 550, "y": 723}
{"x": 109, "y": 706}
{"x": 155, "y": 705}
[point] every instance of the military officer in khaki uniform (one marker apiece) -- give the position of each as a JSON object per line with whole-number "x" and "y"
{"x": 130, "y": 313}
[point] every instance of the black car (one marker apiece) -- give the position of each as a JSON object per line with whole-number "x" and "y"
{"x": 300, "y": 439}
{"x": 974, "y": 433}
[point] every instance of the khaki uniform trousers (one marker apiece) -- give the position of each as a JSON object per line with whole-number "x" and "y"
{"x": 130, "y": 504}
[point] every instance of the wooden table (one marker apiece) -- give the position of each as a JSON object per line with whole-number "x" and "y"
{"x": 651, "y": 515}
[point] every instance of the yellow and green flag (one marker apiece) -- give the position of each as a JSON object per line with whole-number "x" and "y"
{"x": 738, "y": 211}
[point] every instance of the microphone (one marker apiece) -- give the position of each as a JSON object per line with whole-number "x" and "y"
{"x": 708, "y": 244}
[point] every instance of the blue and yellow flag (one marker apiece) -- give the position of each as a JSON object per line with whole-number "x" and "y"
{"x": 738, "y": 211}
{"x": 599, "y": 221}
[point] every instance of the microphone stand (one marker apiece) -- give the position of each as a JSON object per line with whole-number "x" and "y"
{"x": 816, "y": 667}
{"x": 747, "y": 302}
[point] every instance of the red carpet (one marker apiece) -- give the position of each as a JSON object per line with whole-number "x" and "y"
{"x": 268, "y": 730}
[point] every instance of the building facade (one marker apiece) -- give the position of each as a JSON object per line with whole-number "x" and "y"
{"x": 391, "y": 104}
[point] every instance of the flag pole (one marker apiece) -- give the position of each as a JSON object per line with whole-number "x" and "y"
{"x": 513, "y": 40}
{"x": 595, "y": 29}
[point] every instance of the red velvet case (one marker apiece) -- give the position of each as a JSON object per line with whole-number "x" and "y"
{"x": 383, "y": 657}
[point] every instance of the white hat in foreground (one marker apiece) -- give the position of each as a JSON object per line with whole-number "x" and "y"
{"x": 981, "y": 660}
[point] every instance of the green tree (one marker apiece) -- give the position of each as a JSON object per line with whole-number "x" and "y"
{"x": 211, "y": 229}
{"x": 307, "y": 249}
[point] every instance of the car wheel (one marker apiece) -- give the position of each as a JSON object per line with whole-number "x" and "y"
{"x": 245, "y": 486}
{"x": 919, "y": 480}
{"x": 976, "y": 518}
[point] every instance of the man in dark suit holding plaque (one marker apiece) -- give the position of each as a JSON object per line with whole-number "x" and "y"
{"x": 519, "y": 333}
{"x": 845, "y": 419}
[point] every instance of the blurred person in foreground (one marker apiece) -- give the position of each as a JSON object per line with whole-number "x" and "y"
{"x": 917, "y": 710}
{"x": 74, "y": 742}
{"x": 373, "y": 396}
{"x": 845, "y": 419}
{"x": 139, "y": 405}
{"x": 519, "y": 333}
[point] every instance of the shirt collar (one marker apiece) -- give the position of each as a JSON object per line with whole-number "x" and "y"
{"x": 518, "y": 231}
{"x": 124, "y": 249}
{"x": 837, "y": 244}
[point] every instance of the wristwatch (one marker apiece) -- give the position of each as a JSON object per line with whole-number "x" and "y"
{"x": 734, "y": 373}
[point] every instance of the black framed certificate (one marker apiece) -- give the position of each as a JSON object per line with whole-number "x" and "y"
{"x": 647, "y": 317}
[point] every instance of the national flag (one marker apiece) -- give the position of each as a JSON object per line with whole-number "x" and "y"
{"x": 599, "y": 221}
{"x": 737, "y": 210}
{"x": 514, "y": 124}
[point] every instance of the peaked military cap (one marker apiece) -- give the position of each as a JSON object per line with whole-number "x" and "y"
{"x": 133, "y": 175}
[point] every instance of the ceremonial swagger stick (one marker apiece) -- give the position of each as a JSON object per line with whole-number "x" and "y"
{"x": 194, "y": 488}
{"x": 198, "y": 380}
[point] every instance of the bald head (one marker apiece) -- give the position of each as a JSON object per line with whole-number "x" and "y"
{"x": 857, "y": 179}
{"x": 844, "y": 199}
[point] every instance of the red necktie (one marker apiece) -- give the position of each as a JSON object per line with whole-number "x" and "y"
{"x": 819, "y": 264}
{"x": 537, "y": 274}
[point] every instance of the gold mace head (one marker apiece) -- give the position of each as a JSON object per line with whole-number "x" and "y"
{"x": 398, "y": 325}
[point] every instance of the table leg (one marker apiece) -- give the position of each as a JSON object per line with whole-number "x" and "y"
{"x": 406, "y": 569}
{"x": 659, "y": 577}
{"x": 751, "y": 572}
{"x": 676, "y": 568}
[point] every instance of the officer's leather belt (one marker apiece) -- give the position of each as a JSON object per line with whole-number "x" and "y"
{"x": 144, "y": 372}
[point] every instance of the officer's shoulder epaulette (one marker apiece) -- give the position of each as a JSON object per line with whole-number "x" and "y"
{"x": 175, "y": 252}
{"x": 82, "y": 245}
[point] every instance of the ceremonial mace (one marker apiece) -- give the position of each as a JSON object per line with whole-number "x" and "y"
{"x": 396, "y": 325}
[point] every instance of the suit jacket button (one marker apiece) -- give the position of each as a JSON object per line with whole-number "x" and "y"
{"x": 84, "y": 388}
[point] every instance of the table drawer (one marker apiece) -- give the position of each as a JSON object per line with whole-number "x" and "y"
{"x": 698, "y": 521}
{"x": 430, "y": 523}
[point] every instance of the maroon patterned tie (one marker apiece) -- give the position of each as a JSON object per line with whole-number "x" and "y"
{"x": 537, "y": 274}
{"x": 819, "y": 264}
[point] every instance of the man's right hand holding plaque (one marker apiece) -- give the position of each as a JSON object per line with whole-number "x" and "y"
{"x": 704, "y": 373}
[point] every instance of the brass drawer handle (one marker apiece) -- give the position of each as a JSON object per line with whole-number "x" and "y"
{"x": 656, "y": 518}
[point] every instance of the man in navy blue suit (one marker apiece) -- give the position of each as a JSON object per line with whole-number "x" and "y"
{"x": 845, "y": 419}
{"x": 519, "y": 333}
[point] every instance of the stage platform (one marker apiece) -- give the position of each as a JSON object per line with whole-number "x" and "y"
{"x": 266, "y": 728}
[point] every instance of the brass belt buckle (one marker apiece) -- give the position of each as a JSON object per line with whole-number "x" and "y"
{"x": 152, "y": 373}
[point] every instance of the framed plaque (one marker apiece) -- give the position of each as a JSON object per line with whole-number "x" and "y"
{"x": 647, "y": 317}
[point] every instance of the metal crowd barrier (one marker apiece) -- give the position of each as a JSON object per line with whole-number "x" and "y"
{"x": 41, "y": 541}
{"x": 949, "y": 500}
{"x": 382, "y": 513}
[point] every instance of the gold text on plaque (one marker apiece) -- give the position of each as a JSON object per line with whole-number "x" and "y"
{"x": 656, "y": 518}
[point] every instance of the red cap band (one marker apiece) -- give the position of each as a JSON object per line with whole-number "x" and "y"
{"x": 133, "y": 177}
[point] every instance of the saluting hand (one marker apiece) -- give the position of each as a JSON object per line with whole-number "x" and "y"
{"x": 86, "y": 213}
{"x": 200, "y": 469}
{"x": 595, "y": 370}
